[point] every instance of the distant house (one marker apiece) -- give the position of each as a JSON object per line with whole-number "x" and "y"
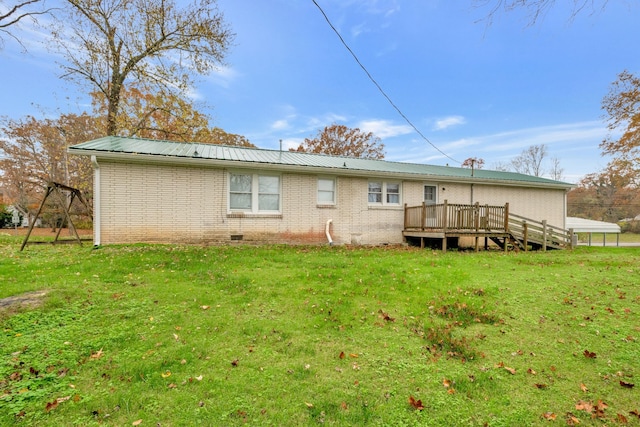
{"x": 163, "y": 191}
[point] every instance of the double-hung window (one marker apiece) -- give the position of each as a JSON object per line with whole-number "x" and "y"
{"x": 326, "y": 191}
{"x": 384, "y": 193}
{"x": 254, "y": 193}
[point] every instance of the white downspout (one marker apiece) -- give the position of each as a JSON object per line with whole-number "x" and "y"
{"x": 326, "y": 231}
{"x": 96, "y": 201}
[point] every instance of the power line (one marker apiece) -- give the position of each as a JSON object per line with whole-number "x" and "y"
{"x": 379, "y": 87}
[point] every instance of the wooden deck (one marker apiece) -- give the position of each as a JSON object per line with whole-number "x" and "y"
{"x": 496, "y": 223}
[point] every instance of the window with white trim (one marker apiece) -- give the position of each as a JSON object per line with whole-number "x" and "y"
{"x": 254, "y": 192}
{"x": 326, "y": 191}
{"x": 384, "y": 193}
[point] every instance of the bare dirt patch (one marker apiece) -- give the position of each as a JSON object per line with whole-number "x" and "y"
{"x": 25, "y": 300}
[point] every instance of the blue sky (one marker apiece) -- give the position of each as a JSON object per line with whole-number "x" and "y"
{"x": 474, "y": 90}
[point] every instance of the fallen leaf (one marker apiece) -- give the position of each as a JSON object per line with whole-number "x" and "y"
{"x": 622, "y": 419}
{"x": 584, "y": 406}
{"x": 386, "y": 316}
{"x": 549, "y": 416}
{"x": 446, "y": 383}
{"x": 341, "y": 356}
{"x": 344, "y": 406}
{"x": 531, "y": 371}
{"x": 572, "y": 421}
{"x": 589, "y": 355}
{"x": 626, "y": 384}
{"x": 416, "y": 404}
{"x": 172, "y": 385}
{"x": 540, "y": 386}
{"x": 353, "y": 355}
{"x": 51, "y": 406}
{"x": 510, "y": 370}
{"x": 205, "y": 307}
{"x": 199, "y": 377}
{"x": 599, "y": 409}
{"x": 166, "y": 374}
{"x": 136, "y": 423}
{"x": 97, "y": 355}
{"x": 635, "y": 412}
{"x": 583, "y": 388}
{"x": 309, "y": 405}
{"x": 235, "y": 362}
{"x": 176, "y": 337}
{"x": 451, "y": 391}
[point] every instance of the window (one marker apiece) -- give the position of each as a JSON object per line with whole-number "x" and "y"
{"x": 430, "y": 196}
{"x": 384, "y": 193}
{"x": 326, "y": 191}
{"x": 254, "y": 192}
{"x": 375, "y": 192}
{"x": 393, "y": 194}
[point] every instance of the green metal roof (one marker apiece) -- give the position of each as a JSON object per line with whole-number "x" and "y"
{"x": 130, "y": 148}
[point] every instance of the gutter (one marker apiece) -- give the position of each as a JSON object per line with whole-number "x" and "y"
{"x": 96, "y": 201}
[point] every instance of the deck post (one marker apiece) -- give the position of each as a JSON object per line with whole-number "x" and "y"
{"x": 525, "y": 234}
{"x": 445, "y": 216}
{"x": 506, "y": 217}
{"x": 406, "y": 216}
{"x": 423, "y": 216}
{"x": 544, "y": 235}
{"x": 571, "y": 237}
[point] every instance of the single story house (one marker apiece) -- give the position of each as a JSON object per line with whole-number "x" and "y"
{"x": 163, "y": 191}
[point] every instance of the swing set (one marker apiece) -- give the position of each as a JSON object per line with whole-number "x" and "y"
{"x": 63, "y": 193}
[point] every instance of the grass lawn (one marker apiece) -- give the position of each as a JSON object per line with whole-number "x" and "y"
{"x": 238, "y": 335}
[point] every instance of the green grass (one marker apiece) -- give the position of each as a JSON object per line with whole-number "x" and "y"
{"x": 275, "y": 335}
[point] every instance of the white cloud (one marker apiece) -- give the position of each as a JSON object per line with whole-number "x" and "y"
{"x": 223, "y": 76}
{"x": 384, "y": 128}
{"x": 280, "y": 124}
{"x": 448, "y": 122}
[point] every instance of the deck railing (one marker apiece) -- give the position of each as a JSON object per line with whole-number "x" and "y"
{"x": 447, "y": 216}
{"x": 546, "y": 235}
{"x": 485, "y": 219}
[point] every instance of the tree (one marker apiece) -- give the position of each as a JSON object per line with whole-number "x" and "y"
{"x": 35, "y": 153}
{"x": 610, "y": 195}
{"x": 19, "y": 11}
{"x": 622, "y": 106}
{"x": 537, "y": 9}
{"x": 162, "y": 116}
{"x": 339, "y": 140}
{"x": 473, "y": 163}
{"x": 556, "y": 171}
{"x": 530, "y": 160}
{"x": 150, "y": 43}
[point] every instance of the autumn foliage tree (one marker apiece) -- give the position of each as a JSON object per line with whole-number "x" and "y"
{"x": 34, "y": 152}
{"x": 340, "y": 140}
{"x": 161, "y": 116}
{"x": 473, "y": 163}
{"x": 610, "y": 195}
{"x": 622, "y": 107}
{"x": 157, "y": 44}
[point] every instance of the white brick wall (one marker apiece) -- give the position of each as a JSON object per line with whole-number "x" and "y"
{"x": 166, "y": 203}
